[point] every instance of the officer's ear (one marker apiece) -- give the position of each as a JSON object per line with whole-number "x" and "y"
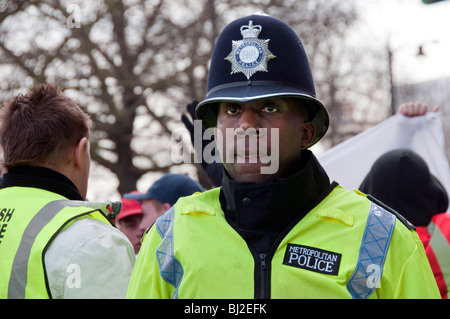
{"x": 308, "y": 129}
{"x": 308, "y": 133}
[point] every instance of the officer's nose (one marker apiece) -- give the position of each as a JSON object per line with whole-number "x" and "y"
{"x": 248, "y": 120}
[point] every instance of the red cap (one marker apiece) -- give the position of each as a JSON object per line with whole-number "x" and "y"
{"x": 129, "y": 207}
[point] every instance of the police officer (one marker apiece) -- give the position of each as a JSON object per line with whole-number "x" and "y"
{"x": 54, "y": 244}
{"x": 277, "y": 228}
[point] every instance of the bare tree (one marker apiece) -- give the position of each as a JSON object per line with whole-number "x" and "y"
{"x": 135, "y": 64}
{"x": 119, "y": 59}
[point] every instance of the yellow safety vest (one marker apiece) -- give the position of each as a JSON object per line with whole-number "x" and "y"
{"x": 30, "y": 219}
{"x": 346, "y": 247}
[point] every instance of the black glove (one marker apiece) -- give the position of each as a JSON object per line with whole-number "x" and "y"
{"x": 214, "y": 170}
{"x": 188, "y": 122}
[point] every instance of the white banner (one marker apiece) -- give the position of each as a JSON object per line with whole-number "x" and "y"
{"x": 349, "y": 162}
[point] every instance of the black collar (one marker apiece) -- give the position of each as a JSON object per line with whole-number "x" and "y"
{"x": 260, "y": 212}
{"x": 43, "y": 178}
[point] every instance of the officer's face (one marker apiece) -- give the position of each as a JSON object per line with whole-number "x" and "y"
{"x": 262, "y": 139}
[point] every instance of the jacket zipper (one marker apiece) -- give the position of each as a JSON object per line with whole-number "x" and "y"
{"x": 264, "y": 280}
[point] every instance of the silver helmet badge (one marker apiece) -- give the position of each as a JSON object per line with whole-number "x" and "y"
{"x": 250, "y": 54}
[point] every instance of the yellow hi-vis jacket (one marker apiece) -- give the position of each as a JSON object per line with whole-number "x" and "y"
{"x": 30, "y": 219}
{"x": 345, "y": 247}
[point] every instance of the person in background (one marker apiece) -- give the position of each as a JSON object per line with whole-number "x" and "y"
{"x": 214, "y": 170}
{"x": 412, "y": 109}
{"x": 277, "y": 227}
{"x": 162, "y": 195}
{"x": 402, "y": 180}
{"x": 128, "y": 221}
{"x": 53, "y": 243}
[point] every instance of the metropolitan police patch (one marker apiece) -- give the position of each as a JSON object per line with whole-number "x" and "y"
{"x": 250, "y": 54}
{"x": 314, "y": 259}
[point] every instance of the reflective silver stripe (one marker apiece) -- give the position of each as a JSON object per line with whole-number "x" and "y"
{"x": 441, "y": 249}
{"x": 169, "y": 266}
{"x": 372, "y": 254}
{"x": 18, "y": 278}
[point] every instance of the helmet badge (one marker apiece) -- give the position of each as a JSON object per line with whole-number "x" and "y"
{"x": 250, "y": 54}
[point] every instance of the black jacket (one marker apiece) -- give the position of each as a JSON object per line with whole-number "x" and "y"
{"x": 401, "y": 179}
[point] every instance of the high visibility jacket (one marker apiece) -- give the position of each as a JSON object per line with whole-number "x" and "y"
{"x": 345, "y": 247}
{"x": 436, "y": 240}
{"x": 30, "y": 219}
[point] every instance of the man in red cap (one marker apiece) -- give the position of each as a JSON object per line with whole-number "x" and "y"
{"x": 128, "y": 221}
{"x": 162, "y": 195}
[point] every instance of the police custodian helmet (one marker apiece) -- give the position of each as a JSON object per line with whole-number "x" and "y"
{"x": 260, "y": 57}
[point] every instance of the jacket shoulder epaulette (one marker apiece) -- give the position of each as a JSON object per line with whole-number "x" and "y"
{"x": 399, "y": 216}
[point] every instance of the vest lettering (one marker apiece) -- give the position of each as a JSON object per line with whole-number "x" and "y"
{"x": 6, "y": 214}
{"x": 2, "y": 231}
{"x": 5, "y": 217}
{"x": 314, "y": 259}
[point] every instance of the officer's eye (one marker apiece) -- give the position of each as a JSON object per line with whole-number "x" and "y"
{"x": 232, "y": 110}
{"x": 270, "y": 108}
